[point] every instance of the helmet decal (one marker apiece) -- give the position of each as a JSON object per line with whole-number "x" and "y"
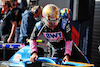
{"x": 50, "y": 12}
{"x": 66, "y": 13}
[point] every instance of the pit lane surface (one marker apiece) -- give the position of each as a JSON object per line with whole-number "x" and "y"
{"x": 45, "y": 64}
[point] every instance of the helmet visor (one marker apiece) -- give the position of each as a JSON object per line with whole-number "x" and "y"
{"x": 52, "y": 23}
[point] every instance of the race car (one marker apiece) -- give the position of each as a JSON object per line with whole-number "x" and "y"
{"x": 21, "y": 59}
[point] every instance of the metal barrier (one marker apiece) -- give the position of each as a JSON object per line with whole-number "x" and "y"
{"x": 12, "y": 46}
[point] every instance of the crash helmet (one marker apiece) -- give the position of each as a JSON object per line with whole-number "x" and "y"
{"x": 66, "y": 14}
{"x": 51, "y": 15}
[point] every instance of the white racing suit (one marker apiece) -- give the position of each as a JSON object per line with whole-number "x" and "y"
{"x": 59, "y": 37}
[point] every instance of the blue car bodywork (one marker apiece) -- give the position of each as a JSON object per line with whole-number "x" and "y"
{"x": 22, "y": 56}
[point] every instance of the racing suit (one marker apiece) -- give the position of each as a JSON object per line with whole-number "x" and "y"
{"x": 59, "y": 37}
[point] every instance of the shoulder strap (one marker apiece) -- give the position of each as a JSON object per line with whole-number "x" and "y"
{"x": 7, "y": 15}
{"x": 38, "y": 25}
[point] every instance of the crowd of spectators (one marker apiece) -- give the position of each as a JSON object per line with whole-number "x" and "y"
{"x": 16, "y": 23}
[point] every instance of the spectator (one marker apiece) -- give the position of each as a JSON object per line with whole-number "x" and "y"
{"x": 1, "y": 13}
{"x": 1, "y": 17}
{"x": 23, "y": 5}
{"x": 17, "y": 12}
{"x": 27, "y": 23}
{"x": 8, "y": 24}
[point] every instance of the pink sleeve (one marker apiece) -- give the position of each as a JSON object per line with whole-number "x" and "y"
{"x": 68, "y": 47}
{"x": 33, "y": 46}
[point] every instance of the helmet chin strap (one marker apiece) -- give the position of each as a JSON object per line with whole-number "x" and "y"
{"x": 52, "y": 27}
